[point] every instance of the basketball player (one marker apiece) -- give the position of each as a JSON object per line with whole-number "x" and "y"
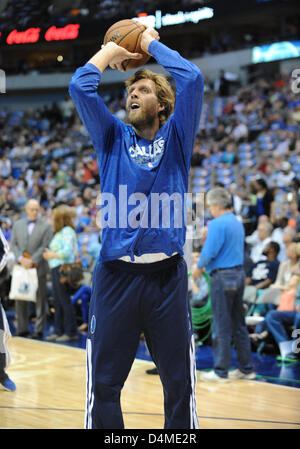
{"x": 140, "y": 279}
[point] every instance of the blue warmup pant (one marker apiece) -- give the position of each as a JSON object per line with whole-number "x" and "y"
{"x": 127, "y": 299}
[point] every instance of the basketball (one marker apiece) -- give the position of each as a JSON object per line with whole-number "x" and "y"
{"x": 128, "y": 33}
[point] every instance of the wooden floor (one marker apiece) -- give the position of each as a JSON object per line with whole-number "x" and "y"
{"x": 50, "y": 394}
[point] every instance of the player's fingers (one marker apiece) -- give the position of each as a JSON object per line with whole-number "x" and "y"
{"x": 135, "y": 55}
{"x": 120, "y": 67}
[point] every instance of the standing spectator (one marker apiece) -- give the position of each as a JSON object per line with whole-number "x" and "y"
{"x": 62, "y": 249}
{"x": 30, "y": 235}
{"x": 222, "y": 256}
{"x": 264, "y": 198}
{"x": 5, "y": 381}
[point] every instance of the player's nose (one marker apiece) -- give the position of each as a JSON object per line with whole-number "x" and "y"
{"x": 133, "y": 93}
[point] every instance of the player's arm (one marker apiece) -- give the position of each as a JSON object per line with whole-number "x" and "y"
{"x": 94, "y": 114}
{"x": 98, "y": 120}
{"x": 189, "y": 85}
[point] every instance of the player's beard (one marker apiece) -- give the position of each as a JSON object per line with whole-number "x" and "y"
{"x": 141, "y": 118}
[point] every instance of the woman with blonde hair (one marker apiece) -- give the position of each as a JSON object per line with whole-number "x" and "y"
{"x": 62, "y": 249}
{"x": 285, "y": 272}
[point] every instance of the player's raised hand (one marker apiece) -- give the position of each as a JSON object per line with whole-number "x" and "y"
{"x": 114, "y": 56}
{"x": 148, "y": 36}
{"x": 119, "y": 55}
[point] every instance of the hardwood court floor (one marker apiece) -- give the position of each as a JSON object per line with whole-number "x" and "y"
{"x": 50, "y": 394}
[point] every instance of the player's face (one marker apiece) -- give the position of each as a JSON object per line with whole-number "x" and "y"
{"x": 142, "y": 105}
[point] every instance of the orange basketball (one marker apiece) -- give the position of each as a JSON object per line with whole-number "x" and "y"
{"x": 127, "y": 33}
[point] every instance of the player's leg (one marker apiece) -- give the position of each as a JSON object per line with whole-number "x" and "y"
{"x": 168, "y": 333}
{"x": 112, "y": 343}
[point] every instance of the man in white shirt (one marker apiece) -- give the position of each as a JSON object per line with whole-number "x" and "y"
{"x": 285, "y": 176}
{"x": 264, "y": 231}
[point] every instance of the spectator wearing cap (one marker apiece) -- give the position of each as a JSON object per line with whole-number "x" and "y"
{"x": 286, "y": 176}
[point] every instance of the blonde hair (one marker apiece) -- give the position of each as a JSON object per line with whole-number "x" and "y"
{"x": 62, "y": 216}
{"x": 164, "y": 91}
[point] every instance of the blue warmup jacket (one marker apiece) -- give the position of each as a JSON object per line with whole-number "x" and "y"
{"x": 132, "y": 169}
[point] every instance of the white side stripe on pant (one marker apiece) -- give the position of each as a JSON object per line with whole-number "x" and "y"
{"x": 89, "y": 384}
{"x": 194, "y": 424}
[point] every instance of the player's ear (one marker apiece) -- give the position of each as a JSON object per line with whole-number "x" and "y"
{"x": 161, "y": 107}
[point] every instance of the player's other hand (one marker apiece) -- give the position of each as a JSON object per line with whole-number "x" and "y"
{"x": 118, "y": 55}
{"x": 149, "y": 35}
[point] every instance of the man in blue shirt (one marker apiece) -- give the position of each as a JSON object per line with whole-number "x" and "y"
{"x": 140, "y": 279}
{"x": 222, "y": 256}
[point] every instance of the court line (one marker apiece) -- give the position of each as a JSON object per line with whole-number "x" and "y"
{"x": 280, "y": 379}
{"x": 152, "y": 414}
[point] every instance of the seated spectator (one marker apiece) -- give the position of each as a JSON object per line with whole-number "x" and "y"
{"x": 240, "y": 131}
{"x": 287, "y": 314}
{"x": 280, "y": 225}
{"x": 285, "y": 272}
{"x": 264, "y": 231}
{"x": 288, "y": 236}
{"x": 286, "y": 176}
{"x": 5, "y": 166}
{"x": 6, "y": 228}
{"x": 264, "y": 272}
{"x": 84, "y": 220}
{"x": 84, "y": 295}
{"x": 229, "y": 154}
{"x": 59, "y": 177}
{"x": 253, "y": 239}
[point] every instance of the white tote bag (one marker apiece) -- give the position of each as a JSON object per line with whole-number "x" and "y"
{"x": 24, "y": 284}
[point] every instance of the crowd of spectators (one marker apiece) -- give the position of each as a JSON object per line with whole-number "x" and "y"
{"x": 48, "y": 12}
{"x": 94, "y": 15}
{"x": 247, "y": 142}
